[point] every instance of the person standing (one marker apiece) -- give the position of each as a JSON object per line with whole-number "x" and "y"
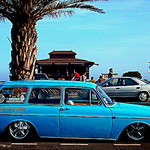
{"x": 101, "y": 79}
{"x": 76, "y": 76}
{"x": 57, "y": 76}
{"x": 110, "y": 74}
{"x": 84, "y": 77}
{"x": 67, "y": 75}
{"x": 92, "y": 80}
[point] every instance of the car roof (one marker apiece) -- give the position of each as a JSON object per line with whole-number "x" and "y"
{"x": 123, "y": 77}
{"x": 48, "y": 83}
{"x": 134, "y": 78}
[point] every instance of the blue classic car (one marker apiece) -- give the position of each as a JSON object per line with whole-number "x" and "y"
{"x": 67, "y": 109}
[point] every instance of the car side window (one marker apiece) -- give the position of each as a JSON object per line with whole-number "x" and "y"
{"x": 13, "y": 95}
{"x": 94, "y": 99}
{"x": 113, "y": 82}
{"x": 127, "y": 82}
{"x": 77, "y": 96}
{"x": 45, "y": 96}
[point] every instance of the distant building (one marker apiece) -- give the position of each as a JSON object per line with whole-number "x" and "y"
{"x": 105, "y": 75}
{"x": 60, "y": 64}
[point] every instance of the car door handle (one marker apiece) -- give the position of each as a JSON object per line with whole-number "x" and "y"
{"x": 138, "y": 88}
{"x": 62, "y": 109}
{"x": 117, "y": 88}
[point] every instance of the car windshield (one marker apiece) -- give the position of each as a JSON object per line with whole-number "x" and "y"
{"x": 107, "y": 100}
{"x": 145, "y": 81}
{"x": 102, "y": 83}
{"x": 141, "y": 81}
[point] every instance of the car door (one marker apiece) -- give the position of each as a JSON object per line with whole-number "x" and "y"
{"x": 43, "y": 110}
{"x": 129, "y": 88}
{"x": 83, "y": 115}
{"x": 112, "y": 87}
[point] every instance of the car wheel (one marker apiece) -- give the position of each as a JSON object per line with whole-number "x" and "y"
{"x": 19, "y": 130}
{"x": 143, "y": 96}
{"x": 136, "y": 131}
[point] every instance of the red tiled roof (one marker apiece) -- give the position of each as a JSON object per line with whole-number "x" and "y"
{"x": 63, "y": 60}
{"x": 62, "y": 52}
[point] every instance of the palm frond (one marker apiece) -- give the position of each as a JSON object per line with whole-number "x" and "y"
{"x": 2, "y": 18}
{"x": 5, "y": 14}
{"x": 63, "y": 5}
{"x": 85, "y": 6}
{"x": 7, "y": 9}
{"x": 35, "y": 10}
{"x": 57, "y": 14}
{"x": 81, "y": 1}
{"x": 7, "y": 5}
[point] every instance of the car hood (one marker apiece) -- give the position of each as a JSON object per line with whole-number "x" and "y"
{"x": 145, "y": 86}
{"x": 130, "y": 110}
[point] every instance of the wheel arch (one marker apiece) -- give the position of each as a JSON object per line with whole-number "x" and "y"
{"x": 32, "y": 125}
{"x": 143, "y": 91}
{"x": 122, "y": 132}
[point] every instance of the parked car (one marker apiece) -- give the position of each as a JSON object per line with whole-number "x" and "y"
{"x": 126, "y": 87}
{"x": 41, "y": 76}
{"x": 2, "y": 82}
{"x": 67, "y": 109}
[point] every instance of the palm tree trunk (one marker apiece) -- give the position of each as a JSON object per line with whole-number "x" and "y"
{"x": 23, "y": 52}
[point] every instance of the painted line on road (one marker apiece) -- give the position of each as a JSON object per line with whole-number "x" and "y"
{"x": 3, "y": 145}
{"x": 26, "y": 144}
{"x": 72, "y": 144}
{"x": 127, "y": 144}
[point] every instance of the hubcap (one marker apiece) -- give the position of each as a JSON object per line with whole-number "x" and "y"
{"x": 19, "y": 129}
{"x": 136, "y": 131}
{"x": 143, "y": 97}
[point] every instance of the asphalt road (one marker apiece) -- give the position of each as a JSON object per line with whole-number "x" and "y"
{"x": 45, "y": 144}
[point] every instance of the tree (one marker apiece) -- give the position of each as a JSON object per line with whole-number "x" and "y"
{"x": 24, "y": 14}
{"x": 132, "y": 74}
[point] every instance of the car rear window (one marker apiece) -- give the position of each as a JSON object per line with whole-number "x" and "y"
{"x": 126, "y": 82}
{"x": 13, "y": 95}
{"x": 45, "y": 96}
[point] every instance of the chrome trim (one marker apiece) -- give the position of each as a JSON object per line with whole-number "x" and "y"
{"x": 19, "y": 129}
{"x": 73, "y": 116}
{"x": 130, "y": 118}
{"x": 78, "y": 138}
{"x": 29, "y": 115}
{"x": 85, "y": 116}
{"x": 56, "y": 115}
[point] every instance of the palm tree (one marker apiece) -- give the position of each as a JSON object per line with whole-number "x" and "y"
{"x": 23, "y": 14}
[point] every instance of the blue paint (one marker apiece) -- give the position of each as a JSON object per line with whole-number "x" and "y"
{"x": 101, "y": 121}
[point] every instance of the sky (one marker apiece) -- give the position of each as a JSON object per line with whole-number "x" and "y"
{"x": 118, "y": 39}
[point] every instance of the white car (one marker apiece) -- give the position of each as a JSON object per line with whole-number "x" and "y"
{"x": 126, "y": 87}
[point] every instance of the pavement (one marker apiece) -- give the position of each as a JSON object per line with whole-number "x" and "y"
{"x": 49, "y": 144}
